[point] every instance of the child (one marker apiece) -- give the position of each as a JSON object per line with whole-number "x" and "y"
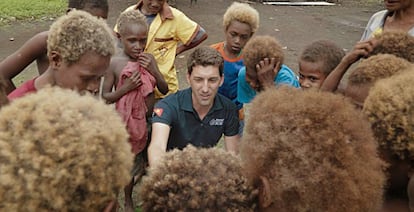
{"x": 316, "y": 61}
{"x": 66, "y": 152}
{"x": 240, "y": 22}
{"x": 167, "y": 28}
{"x": 134, "y": 75}
{"x": 35, "y": 49}
{"x": 389, "y": 107}
{"x": 197, "y": 180}
{"x": 263, "y": 58}
{"x": 368, "y": 72}
{"x": 396, "y": 43}
{"x": 314, "y": 152}
{"x": 79, "y": 49}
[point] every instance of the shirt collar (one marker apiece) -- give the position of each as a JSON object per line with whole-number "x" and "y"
{"x": 166, "y": 12}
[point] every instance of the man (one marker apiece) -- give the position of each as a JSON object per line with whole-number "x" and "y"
{"x": 196, "y": 115}
{"x": 168, "y": 27}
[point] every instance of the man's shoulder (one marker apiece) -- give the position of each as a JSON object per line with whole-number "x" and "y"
{"x": 226, "y": 102}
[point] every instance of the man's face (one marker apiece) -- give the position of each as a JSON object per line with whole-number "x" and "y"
{"x": 152, "y": 7}
{"x": 237, "y": 35}
{"x": 204, "y": 82}
{"x": 310, "y": 74}
{"x": 84, "y": 75}
{"x": 133, "y": 39}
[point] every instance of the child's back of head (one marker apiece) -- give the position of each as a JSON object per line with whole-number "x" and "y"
{"x": 259, "y": 48}
{"x": 400, "y": 44}
{"x": 197, "y": 180}
{"x": 77, "y": 33}
{"x": 61, "y": 152}
{"x": 314, "y": 152}
{"x": 369, "y": 71}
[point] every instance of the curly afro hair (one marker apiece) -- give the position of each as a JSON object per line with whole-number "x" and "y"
{"x": 316, "y": 149}
{"x": 390, "y": 109}
{"x": 400, "y": 44}
{"x": 61, "y": 152}
{"x": 205, "y": 179}
{"x": 326, "y": 51}
{"x": 243, "y": 13}
{"x": 260, "y": 47}
{"x": 377, "y": 67}
{"x": 77, "y": 33}
{"x": 130, "y": 16}
{"x": 3, "y": 94}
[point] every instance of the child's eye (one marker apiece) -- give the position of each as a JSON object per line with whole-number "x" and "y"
{"x": 313, "y": 79}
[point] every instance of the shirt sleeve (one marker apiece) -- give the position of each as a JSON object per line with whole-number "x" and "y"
{"x": 287, "y": 77}
{"x": 245, "y": 93}
{"x": 185, "y": 27}
{"x": 162, "y": 113}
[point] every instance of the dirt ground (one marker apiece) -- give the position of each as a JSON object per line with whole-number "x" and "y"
{"x": 293, "y": 26}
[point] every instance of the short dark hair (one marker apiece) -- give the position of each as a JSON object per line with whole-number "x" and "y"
{"x": 205, "y": 56}
{"x": 81, "y": 4}
{"x": 325, "y": 51}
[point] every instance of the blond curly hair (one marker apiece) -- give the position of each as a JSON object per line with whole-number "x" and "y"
{"x": 390, "y": 109}
{"x": 61, "y": 152}
{"x": 204, "y": 179}
{"x": 400, "y": 44}
{"x": 377, "y": 67}
{"x": 317, "y": 151}
{"x": 260, "y": 47}
{"x": 130, "y": 16}
{"x": 77, "y": 33}
{"x": 243, "y": 13}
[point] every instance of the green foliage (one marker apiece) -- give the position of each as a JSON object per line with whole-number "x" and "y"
{"x": 11, "y": 10}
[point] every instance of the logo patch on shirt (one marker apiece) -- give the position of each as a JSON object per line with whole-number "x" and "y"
{"x": 216, "y": 122}
{"x": 158, "y": 111}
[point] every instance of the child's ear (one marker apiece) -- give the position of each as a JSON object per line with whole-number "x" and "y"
{"x": 265, "y": 198}
{"x": 55, "y": 59}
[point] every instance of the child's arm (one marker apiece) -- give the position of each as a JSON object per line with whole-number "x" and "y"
{"x": 131, "y": 83}
{"x": 200, "y": 36}
{"x": 19, "y": 60}
{"x": 361, "y": 50}
{"x": 267, "y": 69}
{"x": 147, "y": 61}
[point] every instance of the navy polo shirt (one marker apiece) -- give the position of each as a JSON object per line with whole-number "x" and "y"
{"x": 176, "y": 110}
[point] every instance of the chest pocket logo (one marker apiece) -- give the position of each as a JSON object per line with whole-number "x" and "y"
{"x": 216, "y": 122}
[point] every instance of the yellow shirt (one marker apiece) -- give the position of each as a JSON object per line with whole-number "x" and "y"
{"x": 167, "y": 30}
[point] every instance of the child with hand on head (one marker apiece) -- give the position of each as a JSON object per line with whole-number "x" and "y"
{"x": 316, "y": 61}
{"x": 263, "y": 58}
{"x": 240, "y": 22}
{"x": 134, "y": 74}
{"x": 35, "y": 49}
{"x": 79, "y": 49}
{"x": 66, "y": 152}
{"x": 390, "y": 108}
{"x": 314, "y": 152}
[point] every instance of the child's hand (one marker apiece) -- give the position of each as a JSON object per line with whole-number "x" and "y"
{"x": 133, "y": 82}
{"x": 267, "y": 70}
{"x": 361, "y": 50}
{"x": 147, "y": 61}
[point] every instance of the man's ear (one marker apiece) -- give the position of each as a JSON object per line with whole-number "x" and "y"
{"x": 188, "y": 77}
{"x": 265, "y": 198}
{"x": 55, "y": 60}
{"x": 221, "y": 80}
